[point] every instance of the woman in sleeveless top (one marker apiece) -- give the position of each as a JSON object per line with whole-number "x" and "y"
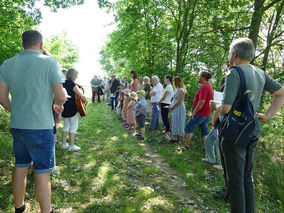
{"x": 178, "y": 111}
{"x": 134, "y": 82}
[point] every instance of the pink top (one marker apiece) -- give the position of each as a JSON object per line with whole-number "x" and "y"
{"x": 133, "y": 87}
{"x": 131, "y": 113}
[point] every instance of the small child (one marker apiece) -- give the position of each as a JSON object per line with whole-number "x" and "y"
{"x": 140, "y": 113}
{"x": 131, "y": 111}
{"x": 124, "y": 107}
{"x": 120, "y": 100}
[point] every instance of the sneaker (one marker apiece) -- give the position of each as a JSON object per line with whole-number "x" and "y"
{"x": 168, "y": 137}
{"x": 74, "y": 148}
{"x": 218, "y": 166}
{"x": 65, "y": 146}
{"x": 205, "y": 160}
{"x": 222, "y": 196}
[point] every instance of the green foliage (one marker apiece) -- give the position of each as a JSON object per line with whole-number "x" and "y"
{"x": 4, "y": 120}
{"x": 18, "y": 16}
{"x": 63, "y": 50}
{"x": 182, "y": 37}
{"x": 54, "y": 5}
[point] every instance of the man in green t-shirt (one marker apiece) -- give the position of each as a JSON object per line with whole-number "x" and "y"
{"x": 238, "y": 161}
{"x": 34, "y": 81}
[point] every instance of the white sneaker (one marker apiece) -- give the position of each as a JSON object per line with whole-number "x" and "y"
{"x": 74, "y": 148}
{"x": 217, "y": 166}
{"x": 65, "y": 146}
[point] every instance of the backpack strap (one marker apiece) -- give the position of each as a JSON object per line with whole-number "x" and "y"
{"x": 242, "y": 80}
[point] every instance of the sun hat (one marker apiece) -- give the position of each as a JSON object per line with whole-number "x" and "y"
{"x": 142, "y": 92}
{"x": 126, "y": 92}
{"x": 134, "y": 96}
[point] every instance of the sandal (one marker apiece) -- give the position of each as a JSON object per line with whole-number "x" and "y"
{"x": 173, "y": 141}
{"x": 139, "y": 137}
{"x": 183, "y": 149}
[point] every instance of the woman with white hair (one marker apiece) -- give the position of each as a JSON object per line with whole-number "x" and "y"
{"x": 147, "y": 89}
{"x": 69, "y": 114}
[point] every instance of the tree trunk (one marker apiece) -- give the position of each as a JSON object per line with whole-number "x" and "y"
{"x": 256, "y": 21}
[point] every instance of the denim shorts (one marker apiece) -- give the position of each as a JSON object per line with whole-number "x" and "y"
{"x": 34, "y": 147}
{"x": 199, "y": 120}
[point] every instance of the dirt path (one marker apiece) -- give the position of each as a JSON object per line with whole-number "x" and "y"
{"x": 175, "y": 182}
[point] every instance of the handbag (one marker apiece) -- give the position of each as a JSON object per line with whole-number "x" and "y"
{"x": 238, "y": 125}
{"x": 100, "y": 91}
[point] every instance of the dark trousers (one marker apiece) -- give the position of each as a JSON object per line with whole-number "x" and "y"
{"x": 238, "y": 166}
{"x": 94, "y": 97}
{"x": 113, "y": 101}
{"x": 165, "y": 116}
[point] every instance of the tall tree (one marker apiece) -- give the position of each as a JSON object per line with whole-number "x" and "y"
{"x": 63, "y": 50}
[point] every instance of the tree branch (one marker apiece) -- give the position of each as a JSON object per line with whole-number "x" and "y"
{"x": 270, "y": 5}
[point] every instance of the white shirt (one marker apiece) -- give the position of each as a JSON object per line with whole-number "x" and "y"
{"x": 106, "y": 85}
{"x": 170, "y": 90}
{"x": 159, "y": 90}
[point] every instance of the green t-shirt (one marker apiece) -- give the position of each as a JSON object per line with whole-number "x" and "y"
{"x": 256, "y": 81}
{"x": 30, "y": 76}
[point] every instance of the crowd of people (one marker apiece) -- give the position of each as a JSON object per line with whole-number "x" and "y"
{"x": 37, "y": 105}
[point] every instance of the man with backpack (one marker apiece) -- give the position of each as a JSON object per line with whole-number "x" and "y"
{"x": 239, "y": 159}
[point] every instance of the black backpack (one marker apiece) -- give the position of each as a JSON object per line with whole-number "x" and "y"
{"x": 238, "y": 125}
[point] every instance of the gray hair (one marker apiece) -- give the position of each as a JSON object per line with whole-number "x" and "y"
{"x": 244, "y": 47}
{"x": 71, "y": 74}
{"x": 147, "y": 79}
{"x": 156, "y": 77}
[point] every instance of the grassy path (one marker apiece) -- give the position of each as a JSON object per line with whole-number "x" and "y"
{"x": 116, "y": 173}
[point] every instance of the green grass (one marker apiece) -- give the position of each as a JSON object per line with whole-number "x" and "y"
{"x": 112, "y": 173}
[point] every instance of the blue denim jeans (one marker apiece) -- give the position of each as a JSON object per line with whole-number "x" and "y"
{"x": 113, "y": 101}
{"x": 155, "y": 123}
{"x": 199, "y": 120}
{"x": 34, "y": 147}
{"x": 238, "y": 165}
{"x": 210, "y": 142}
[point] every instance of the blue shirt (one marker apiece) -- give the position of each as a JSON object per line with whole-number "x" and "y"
{"x": 141, "y": 104}
{"x": 30, "y": 76}
{"x": 96, "y": 83}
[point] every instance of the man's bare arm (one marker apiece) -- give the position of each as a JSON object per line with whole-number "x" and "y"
{"x": 4, "y": 96}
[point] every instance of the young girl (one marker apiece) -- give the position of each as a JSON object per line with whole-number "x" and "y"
{"x": 126, "y": 101}
{"x": 131, "y": 122}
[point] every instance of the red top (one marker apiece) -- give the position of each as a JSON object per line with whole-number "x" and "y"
{"x": 205, "y": 92}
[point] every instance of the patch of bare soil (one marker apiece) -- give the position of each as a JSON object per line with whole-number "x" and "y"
{"x": 174, "y": 182}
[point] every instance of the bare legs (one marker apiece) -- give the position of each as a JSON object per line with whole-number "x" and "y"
{"x": 188, "y": 137}
{"x": 42, "y": 188}
{"x": 64, "y": 137}
{"x": 71, "y": 138}
{"x": 43, "y": 192}
{"x": 19, "y": 186}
